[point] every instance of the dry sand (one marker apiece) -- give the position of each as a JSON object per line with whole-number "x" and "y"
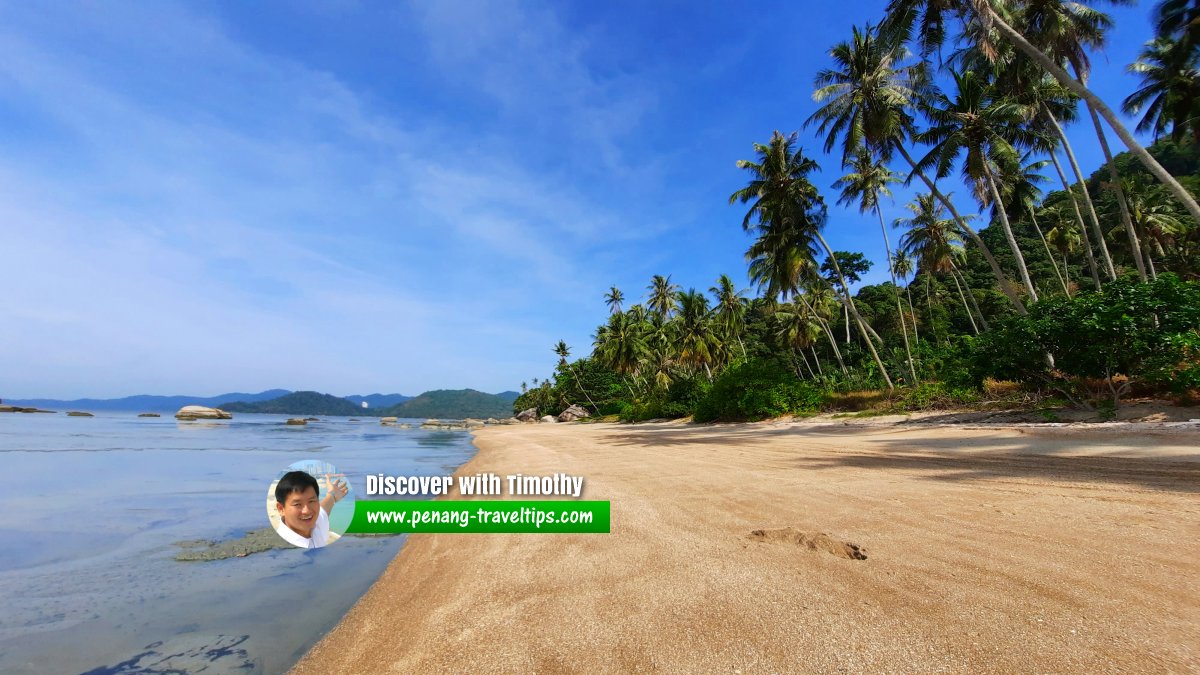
{"x": 736, "y": 548}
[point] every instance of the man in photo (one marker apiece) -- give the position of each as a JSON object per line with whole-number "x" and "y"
{"x": 304, "y": 521}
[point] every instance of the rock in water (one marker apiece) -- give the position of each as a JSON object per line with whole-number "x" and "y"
{"x": 575, "y": 412}
{"x": 77, "y": 413}
{"x": 528, "y": 415}
{"x": 297, "y": 422}
{"x": 387, "y": 421}
{"x": 199, "y": 412}
{"x": 149, "y": 415}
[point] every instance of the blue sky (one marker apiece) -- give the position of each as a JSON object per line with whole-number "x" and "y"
{"x": 367, "y": 197}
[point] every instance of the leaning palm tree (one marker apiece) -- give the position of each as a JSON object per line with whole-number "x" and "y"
{"x": 1062, "y": 44}
{"x": 902, "y": 267}
{"x": 564, "y": 353}
{"x": 978, "y": 124}
{"x": 867, "y": 181}
{"x": 785, "y": 204}
{"x": 613, "y": 298}
{"x": 663, "y": 298}
{"x": 869, "y": 98}
{"x": 934, "y": 241}
{"x": 730, "y": 308}
{"x": 796, "y": 327}
{"x": 1155, "y": 218}
{"x": 1169, "y": 95}
{"x": 1021, "y": 193}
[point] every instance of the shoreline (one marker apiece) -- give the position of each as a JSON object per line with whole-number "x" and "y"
{"x": 990, "y": 549}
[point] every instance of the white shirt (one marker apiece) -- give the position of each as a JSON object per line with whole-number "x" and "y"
{"x": 320, "y": 532}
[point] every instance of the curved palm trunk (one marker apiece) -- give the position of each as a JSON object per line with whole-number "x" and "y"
{"x": 912, "y": 314}
{"x": 929, "y": 309}
{"x": 974, "y": 302}
{"x": 579, "y": 383}
{"x": 887, "y": 248}
{"x": 807, "y": 365}
{"x": 1097, "y": 105}
{"x": 1046, "y": 245}
{"x": 967, "y": 308}
{"x": 1008, "y": 234}
{"x": 1087, "y": 198}
{"x": 1135, "y": 247}
{"x": 1005, "y": 284}
{"x": 1082, "y": 226}
{"x": 820, "y": 370}
{"x": 837, "y": 353}
{"x": 849, "y": 302}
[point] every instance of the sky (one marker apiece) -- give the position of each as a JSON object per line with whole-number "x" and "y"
{"x": 358, "y": 197}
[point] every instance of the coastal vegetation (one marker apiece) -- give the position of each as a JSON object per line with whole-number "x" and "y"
{"x": 999, "y": 288}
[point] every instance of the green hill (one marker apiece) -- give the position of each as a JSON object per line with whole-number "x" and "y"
{"x": 298, "y": 403}
{"x": 454, "y": 404}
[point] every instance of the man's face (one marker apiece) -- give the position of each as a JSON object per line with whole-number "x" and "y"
{"x": 300, "y": 509}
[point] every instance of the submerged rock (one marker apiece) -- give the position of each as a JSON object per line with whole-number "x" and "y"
{"x": 149, "y": 415}
{"x": 254, "y": 541}
{"x": 79, "y": 413}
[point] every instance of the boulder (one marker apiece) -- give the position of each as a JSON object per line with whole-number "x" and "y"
{"x": 297, "y": 422}
{"x": 573, "y": 413}
{"x": 491, "y": 420}
{"x": 548, "y": 418}
{"x": 199, "y": 412}
{"x": 149, "y": 415}
{"x": 472, "y": 423}
{"x": 510, "y": 420}
{"x": 387, "y": 421}
{"x": 77, "y": 413}
{"x": 528, "y": 415}
{"x": 311, "y": 419}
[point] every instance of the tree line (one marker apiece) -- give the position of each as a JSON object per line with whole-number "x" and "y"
{"x": 979, "y": 87}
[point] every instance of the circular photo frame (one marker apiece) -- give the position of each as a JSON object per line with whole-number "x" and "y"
{"x": 310, "y": 504}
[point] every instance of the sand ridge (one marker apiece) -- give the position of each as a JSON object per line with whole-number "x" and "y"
{"x": 986, "y": 550}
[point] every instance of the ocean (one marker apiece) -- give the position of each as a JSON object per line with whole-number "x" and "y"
{"x": 93, "y": 508}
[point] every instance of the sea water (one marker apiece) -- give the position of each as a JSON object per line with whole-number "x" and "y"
{"x": 91, "y": 509}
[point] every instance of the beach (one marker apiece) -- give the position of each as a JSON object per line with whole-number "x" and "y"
{"x": 811, "y": 547}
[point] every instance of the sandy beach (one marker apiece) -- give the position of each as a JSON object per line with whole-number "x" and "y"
{"x": 741, "y": 549}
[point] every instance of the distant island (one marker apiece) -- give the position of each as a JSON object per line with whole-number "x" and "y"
{"x": 443, "y": 403}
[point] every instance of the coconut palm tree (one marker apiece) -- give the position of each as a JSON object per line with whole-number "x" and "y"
{"x": 663, "y": 298}
{"x": 870, "y": 95}
{"x": 788, "y": 208}
{"x": 730, "y": 309}
{"x": 1021, "y": 193}
{"x": 621, "y": 344}
{"x": 1169, "y": 95}
{"x": 796, "y": 328}
{"x": 1064, "y": 237}
{"x": 867, "y": 181}
{"x": 902, "y": 267}
{"x": 980, "y": 125}
{"x": 1064, "y": 39}
{"x": 1155, "y": 218}
{"x": 697, "y": 344}
{"x": 935, "y": 242}
{"x": 614, "y": 297}
{"x": 564, "y": 353}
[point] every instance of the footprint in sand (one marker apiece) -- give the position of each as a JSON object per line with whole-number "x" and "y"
{"x": 813, "y": 541}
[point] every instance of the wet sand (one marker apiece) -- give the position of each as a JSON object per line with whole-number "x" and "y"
{"x": 811, "y": 548}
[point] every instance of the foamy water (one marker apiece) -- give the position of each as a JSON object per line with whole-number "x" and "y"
{"x": 92, "y": 508}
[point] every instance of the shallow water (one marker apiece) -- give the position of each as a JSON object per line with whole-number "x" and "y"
{"x": 92, "y": 510}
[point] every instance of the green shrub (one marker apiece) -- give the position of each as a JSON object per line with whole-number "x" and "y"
{"x": 757, "y": 390}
